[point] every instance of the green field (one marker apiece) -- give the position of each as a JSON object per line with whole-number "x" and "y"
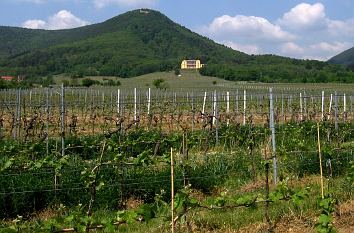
{"x": 192, "y": 80}
{"x": 104, "y": 163}
{"x": 121, "y": 183}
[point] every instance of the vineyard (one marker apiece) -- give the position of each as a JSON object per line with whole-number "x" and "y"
{"x": 176, "y": 160}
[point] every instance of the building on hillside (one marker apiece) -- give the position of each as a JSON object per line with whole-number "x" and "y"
{"x": 144, "y": 11}
{"x": 7, "y": 78}
{"x": 10, "y": 78}
{"x": 191, "y": 64}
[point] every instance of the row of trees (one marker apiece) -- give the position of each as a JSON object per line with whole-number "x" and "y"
{"x": 27, "y": 83}
{"x": 48, "y": 81}
{"x": 279, "y": 73}
{"x": 87, "y": 82}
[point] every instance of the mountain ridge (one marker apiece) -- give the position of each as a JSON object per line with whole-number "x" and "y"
{"x": 153, "y": 33}
{"x": 136, "y": 43}
{"x": 344, "y": 58}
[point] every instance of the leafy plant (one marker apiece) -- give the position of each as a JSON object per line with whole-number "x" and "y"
{"x": 325, "y": 224}
{"x": 350, "y": 176}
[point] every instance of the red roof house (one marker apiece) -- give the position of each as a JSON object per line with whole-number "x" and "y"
{"x": 7, "y": 78}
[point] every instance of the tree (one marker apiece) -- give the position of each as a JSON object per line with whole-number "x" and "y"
{"x": 3, "y": 84}
{"x": 160, "y": 84}
{"x": 87, "y": 82}
{"x": 177, "y": 71}
{"x": 47, "y": 81}
{"x": 66, "y": 83}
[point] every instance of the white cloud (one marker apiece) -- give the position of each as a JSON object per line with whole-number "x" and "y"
{"x": 251, "y": 27}
{"x": 312, "y": 20}
{"x": 41, "y": 1}
{"x": 34, "y": 1}
{"x": 333, "y": 48}
{"x": 291, "y": 48}
{"x": 46, "y": 1}
{"x": 34, "y": 24}
{"x": 305, "y": 32}
{"x": 246, "y": 48}
{"x": 62, "y": 20}
{"x": 65, "y": 19}
{"x": 305, "y": 16}
{"x": 341, "y": 28}
{"x": 124, "y": 3}
{"x": 318, "y": 51}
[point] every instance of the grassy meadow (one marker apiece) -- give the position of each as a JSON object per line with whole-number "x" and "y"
{"x": 192, "y": 80}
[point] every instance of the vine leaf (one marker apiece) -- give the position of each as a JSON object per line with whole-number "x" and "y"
{"x": 247, "y": 200}
{"x": 299, "y": 197}
{"x": 220, "y": 201}
{"x": 127, "y": 216}
{"x": 7, "y": 164}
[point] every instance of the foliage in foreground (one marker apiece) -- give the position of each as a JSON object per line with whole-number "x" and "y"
{"x": 104, "y": 171}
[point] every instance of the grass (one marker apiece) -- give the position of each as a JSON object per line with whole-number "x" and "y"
{"x": 188, "y": 79}
{"x": 191, "y": 80}
{"x": 284, "y": 215}
{"x": 237, "y": 173}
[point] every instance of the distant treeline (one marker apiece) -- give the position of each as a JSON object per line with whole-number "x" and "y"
{"x": 49, "y": 81}
{"x": 281, "y": 70}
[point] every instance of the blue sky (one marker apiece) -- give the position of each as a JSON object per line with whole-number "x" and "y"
{"x": 302, "y": 29}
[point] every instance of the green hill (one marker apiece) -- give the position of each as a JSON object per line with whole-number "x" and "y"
{"x": 344, "y": 58}
{"x": 128, "y": 45}
{"x": 137, "y": 43}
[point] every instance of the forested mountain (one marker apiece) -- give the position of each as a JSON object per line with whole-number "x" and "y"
{"x": 128, "y": 45}
{"x": 344, "y": 58}
{"x": 145, "y": 41}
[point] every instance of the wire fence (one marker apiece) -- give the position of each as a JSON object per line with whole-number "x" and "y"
{"x": 43, "y": 180}
{"x": 54, "y": 113}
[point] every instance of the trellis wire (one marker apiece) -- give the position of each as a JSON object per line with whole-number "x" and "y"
{"x": 134, "y": 108}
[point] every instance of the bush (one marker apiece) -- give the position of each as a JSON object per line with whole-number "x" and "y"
{"x": 160, "y": 83}
{"x": 111, "y": 82}
{"x": 177, "y": 71}
{"x": 87, "y": 82}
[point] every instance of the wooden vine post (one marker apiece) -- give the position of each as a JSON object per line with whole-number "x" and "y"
{"x": 305, "y": 106}
{"x": 118, "y": 106}
{"x": 244, "y": 106}
{"x": 322, "y": 106}
{"x": 272, "y": 128}
{"x": 193, "y": 111}
{"x": 320, "y": 157}
{"x": 172, "y": 194}
{"x": 135, "y": 107}
{"x": 19, "y": 115}
{"x": 301, "y": 112}
{"x": 62, "y": 120}
{"x": 282, "y": 107}
{"x": 236, "y": 104}
{"x": 344, "y": 107}
{"x": 330, "y": 106}
{"x": 203, "y": 109}
{"x": 216, "y": 117}
{"x": 336, "y": 111}
{"x": 47, "y": 123}
{"x": 228, "y": 107}
{"x": 214, "y": 108}
{"x": 149, "y": 101}
{"x": 267, "y": 188}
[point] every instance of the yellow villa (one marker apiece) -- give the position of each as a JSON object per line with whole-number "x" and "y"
{"x": 191, "y": 64}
